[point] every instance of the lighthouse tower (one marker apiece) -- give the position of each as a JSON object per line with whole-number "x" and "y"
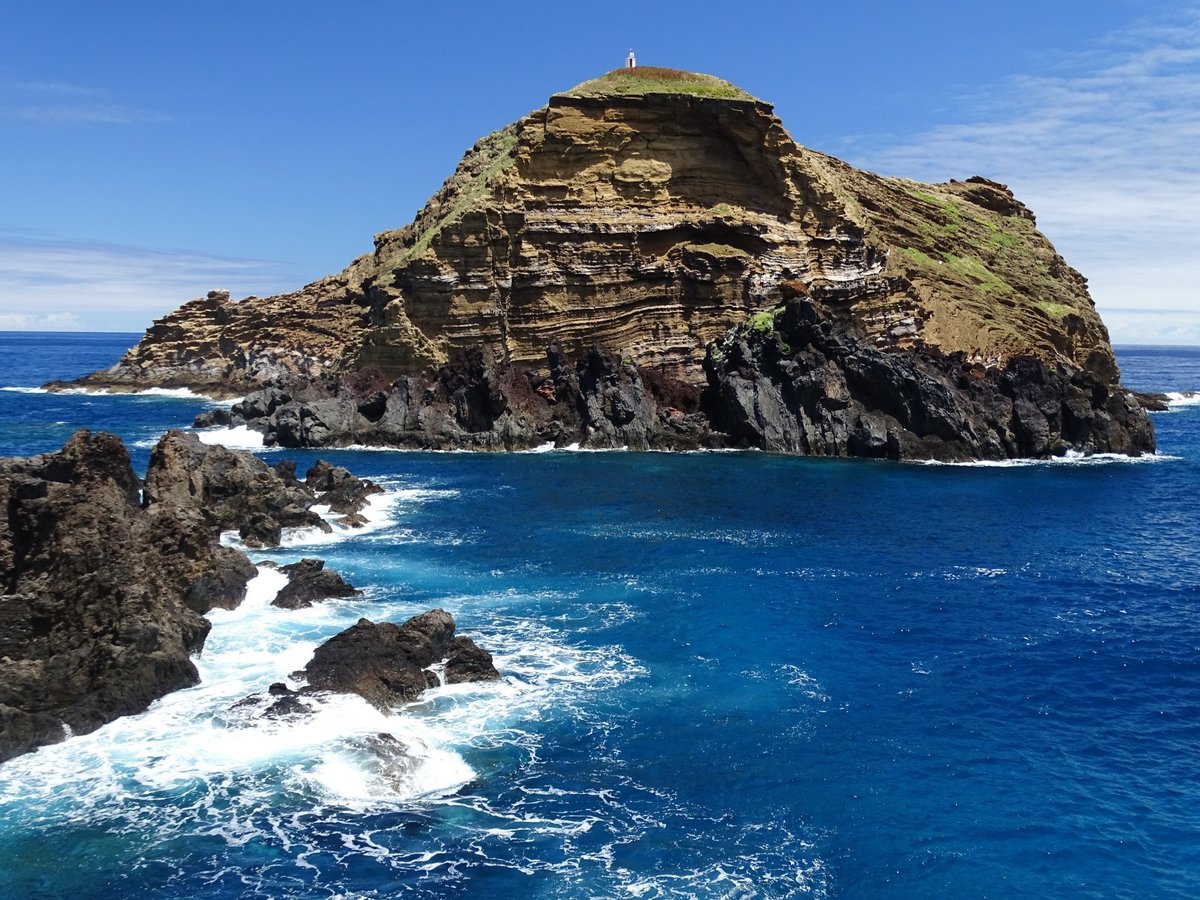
{"x": 631, "y": 60}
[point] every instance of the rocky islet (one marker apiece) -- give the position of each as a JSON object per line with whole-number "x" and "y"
{"x": 577, "y": 276}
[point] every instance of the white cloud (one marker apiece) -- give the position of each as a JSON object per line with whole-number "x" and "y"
{"x": 1104, "y": 150}
{"x": 1153, "y": 326}
{"x": 56, "y": 103}
{"x": 40, "y": 322}
{"x": 55, "y": 285}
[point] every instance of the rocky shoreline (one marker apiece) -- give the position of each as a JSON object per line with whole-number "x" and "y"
{"x": 107, "y": 577}
{"x": 791, "y": 380}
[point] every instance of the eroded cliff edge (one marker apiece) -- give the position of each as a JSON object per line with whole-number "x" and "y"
{"x": 649, "y": 219}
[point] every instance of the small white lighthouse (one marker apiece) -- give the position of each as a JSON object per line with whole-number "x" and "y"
{"x": 631, "y": 60}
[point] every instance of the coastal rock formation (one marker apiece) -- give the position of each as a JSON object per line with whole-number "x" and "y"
{"x": 648, "y": 213}
{"x": 385, "y": 663}
{"x": 389, "y": 664}
{"x": 104, "y": 579}
{"x": 342, "y": 492}
{"x": 792, "y": 380}
{"x": 796, "y": 381}
{"x": 238, "y": 491}
{"x": 481, "y": 403}
{"x": 310, "y": 582}
{"x": 97, "y": 617}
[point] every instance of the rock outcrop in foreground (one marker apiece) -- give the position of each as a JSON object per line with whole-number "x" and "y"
{"x": 102, "y": 599}
{"x": 611, "y": 270}
{"x": 385, "y": 663}
{"x": 104, "y": 580}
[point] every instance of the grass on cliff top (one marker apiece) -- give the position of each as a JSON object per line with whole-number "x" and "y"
{"x": 657, "y": 80}
{"x": 494, "y": 154}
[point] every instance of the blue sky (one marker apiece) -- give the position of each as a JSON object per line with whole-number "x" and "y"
{"x": 152, "y": 151}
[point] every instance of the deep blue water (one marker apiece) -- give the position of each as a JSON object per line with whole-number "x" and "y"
{"x": 728, "y": 675}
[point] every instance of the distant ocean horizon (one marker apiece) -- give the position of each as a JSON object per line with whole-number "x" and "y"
{"x": 725, "y": 675}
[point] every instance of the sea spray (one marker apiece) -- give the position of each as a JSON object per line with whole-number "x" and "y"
{"x": 238, "y": 437}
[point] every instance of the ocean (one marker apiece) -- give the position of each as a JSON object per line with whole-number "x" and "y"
{"x": 725, "y": 675}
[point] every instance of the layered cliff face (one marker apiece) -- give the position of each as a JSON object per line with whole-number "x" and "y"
{"x": 649, "y": 212}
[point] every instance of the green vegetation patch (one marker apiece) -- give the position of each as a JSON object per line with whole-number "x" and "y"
{"x": 656, "y": 80}
{"x": 967, "y": 267}
{"x": 976, "y": 271}
{"x": 762, "y": 321}
{"x": 719, "y": 251}
{"x": 918, "y": 257}
{"x": 1001, "y": 240}
{"x": 498, "y": 151}
{"x": 1054, "y": 310}
{"x": 950, "y": 213}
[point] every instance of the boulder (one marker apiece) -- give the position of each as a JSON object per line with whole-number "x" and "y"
{"x": 336, "y": 488}
{"x": 235, "y": 491}
{"x": 389, "y": 664}
{"x": 310, "y": 582}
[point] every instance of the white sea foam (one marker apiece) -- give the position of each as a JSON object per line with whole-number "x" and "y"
{"x": 379, "y": 513}
{"x": 153, "y": 393}
{"x": 1071, "y": 458}
{"x": 198, "y": 741}
{"x": 159, "y": 392}
{"x": 192, "y": 736}
{"x": 174, "y": 393}
{"x": 240, "y": 437}
{"x": 548, "y": 447}
{"x": 575, "y": 448}
{"x": 1178, "y": 399}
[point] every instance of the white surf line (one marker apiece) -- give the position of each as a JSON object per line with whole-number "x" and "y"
{"x": 1071, "y": 458}
{"x": 378, "y": 512}
{"x": 1177, "y": 399}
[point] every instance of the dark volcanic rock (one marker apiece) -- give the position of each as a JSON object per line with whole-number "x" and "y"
{"x": 237, "y": 491}
{"x": 95, "y": 617}
{"x": 102, "y": 590}
{"x": 798, "y": 379}
{"x": 286, "y": 702}
{"x": 802, "y": 381}
{"x": 338, "y": 489}
{"x": 310, "y": 582}
{"x": 204, "y": 573}
{"x": 387, "y": 663}
{"x": 211, "y": 417}
{"x": 479, "y": 402}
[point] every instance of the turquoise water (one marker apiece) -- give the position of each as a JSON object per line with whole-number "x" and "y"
{"x": 727, "y": 675}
